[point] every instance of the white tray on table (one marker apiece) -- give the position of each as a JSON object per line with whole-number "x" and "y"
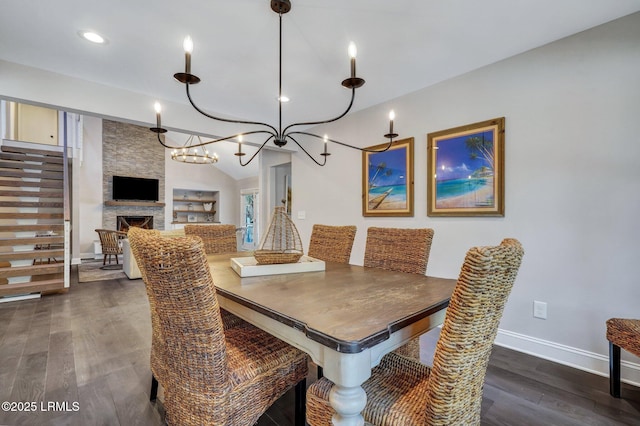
{"x": 249, "y": 267}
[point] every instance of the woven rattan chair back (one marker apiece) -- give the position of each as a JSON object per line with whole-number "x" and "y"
{"x": 158, "y": 361}
{"x": 216, "y": 238}
{"x": 621, "y": 333}
{"x": 402, "y": 250}
{"x": 398, "y": 249}
{"x": 332, "y": 243}
{"x": 189, "y": 322}
{"x": 111, "y": 243}
{"x": 469, "y": 330}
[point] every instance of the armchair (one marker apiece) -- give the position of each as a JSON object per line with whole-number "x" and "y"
{"x": 111, "y": 242}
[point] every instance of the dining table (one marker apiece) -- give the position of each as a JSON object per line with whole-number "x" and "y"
{"x": 346, "y": 317}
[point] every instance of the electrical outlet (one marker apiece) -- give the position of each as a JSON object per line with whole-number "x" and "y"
{"x": 302, "y": 214}
{"x": 539, "y": 309}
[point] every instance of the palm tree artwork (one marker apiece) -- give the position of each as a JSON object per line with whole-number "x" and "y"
{"x": 386, "y": 183}
{"x": 380, "y": 168}
{"x": 465, "y": 171}
{"x": 479, "y": 146}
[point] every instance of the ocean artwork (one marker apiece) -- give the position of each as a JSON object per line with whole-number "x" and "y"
{"x": 387, "y": 181}
{"x": 465, "y": 166}
{"x": 465, "y": 171}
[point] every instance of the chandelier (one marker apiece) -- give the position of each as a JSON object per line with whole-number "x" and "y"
{"x": 194, "y": 152}
{"x": 279, "y": 136}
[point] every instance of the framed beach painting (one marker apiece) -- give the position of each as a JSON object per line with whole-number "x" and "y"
{"x": 387, "y": 180}
{"x": 465, "y": 170}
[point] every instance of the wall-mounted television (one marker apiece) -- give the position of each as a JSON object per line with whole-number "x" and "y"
{"x": 134, "y": 188}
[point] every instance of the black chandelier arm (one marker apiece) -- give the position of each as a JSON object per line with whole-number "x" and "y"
{"x": 227, "y": 120}
{"x": 256, "y": 153}
{"x": 226, "y": 138}
{"x": 386, "y": 148}
{"x": 309, "y": 155}
{"x": 313, "y": 123}
{"x": 277, "y": 133}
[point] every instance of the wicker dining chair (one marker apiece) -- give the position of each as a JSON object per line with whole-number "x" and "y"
{"x": 213, "y": 376}
{"x": 111, "y": 242}
{"x": 621, "y": 333}
{"x": 137, "y": 238}
{"x": 403, "y": 392}
{"x": 332, "y": 243}
{"x": 217, "y": 239}
{"x": 402, "y": 250}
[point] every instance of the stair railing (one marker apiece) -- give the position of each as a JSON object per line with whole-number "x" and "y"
{"x": 67, "y": 209}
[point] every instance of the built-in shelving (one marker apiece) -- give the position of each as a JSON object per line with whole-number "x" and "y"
{"x": 195, "y": 206}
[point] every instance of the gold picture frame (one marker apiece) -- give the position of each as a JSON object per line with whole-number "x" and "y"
{"x": 465, "y": 170}
{"x": 387, "y": 180}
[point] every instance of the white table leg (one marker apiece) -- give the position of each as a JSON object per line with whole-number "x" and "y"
{"x": 348, "y": 403}
{"x": 348, "y": 372}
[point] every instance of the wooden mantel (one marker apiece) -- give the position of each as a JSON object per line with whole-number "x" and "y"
{"x": 112, "y": 203}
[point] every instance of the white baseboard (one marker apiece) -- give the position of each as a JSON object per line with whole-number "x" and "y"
{"x": 19, "y": 297}
{"x": 566, "y": 355}
{"x": 90, "y": 256}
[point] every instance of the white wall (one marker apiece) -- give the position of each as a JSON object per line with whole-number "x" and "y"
{"x": 87, "y": 190}
{"x": 572, "y": 184}
{"x": 248, "y": 183}
{"x": 206, "y": 178}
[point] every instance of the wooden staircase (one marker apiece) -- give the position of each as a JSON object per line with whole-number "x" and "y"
{"x": 32, "y": 227}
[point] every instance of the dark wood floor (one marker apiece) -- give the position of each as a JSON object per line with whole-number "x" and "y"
{"x": 89, "y": 349}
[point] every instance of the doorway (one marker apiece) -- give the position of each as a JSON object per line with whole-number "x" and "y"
{"x": 249, "y": 205}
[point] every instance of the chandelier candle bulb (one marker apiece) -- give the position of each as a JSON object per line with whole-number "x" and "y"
{"x": 352, "y": 53}
{"x": 392, "y": 115}
{"x": 240, "y": 153}
{"x": 158, "y": 129}
{"x": 158, "y": 109}
{"x": 188, "y": 48}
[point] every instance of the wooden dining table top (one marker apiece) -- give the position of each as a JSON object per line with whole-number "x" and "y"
{"x": 345, "y": 307}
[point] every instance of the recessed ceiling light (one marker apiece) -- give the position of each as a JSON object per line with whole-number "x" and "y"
{"x": 283, "y": 99}
{"x": 92, "y": 36}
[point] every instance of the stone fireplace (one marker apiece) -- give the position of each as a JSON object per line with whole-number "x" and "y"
{"x": 130, "y": 150}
